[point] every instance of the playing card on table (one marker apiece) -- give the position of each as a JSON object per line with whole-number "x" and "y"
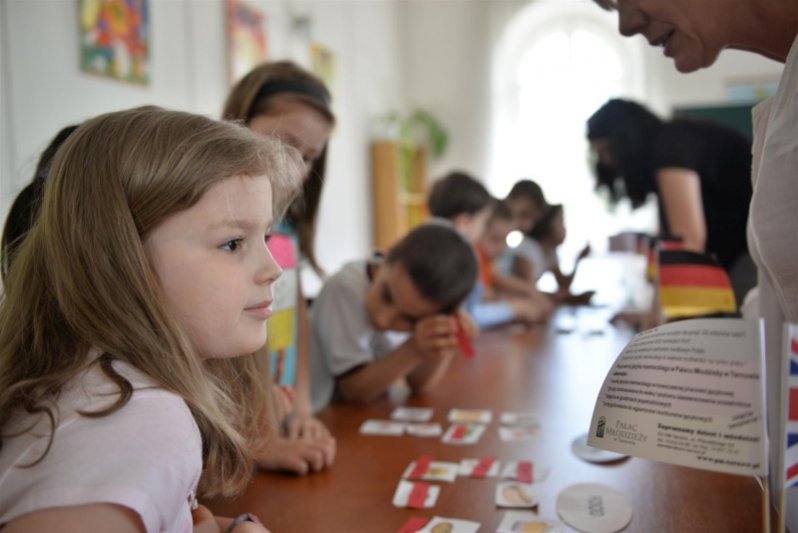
{"x": 515, "y": 521}
{"x": 382, "y": 427}
{"x": 524, "y": 471}
{"x": 520, "y": 419}
{"x": 427, "y": 470}
{"x": 480, "y": 416}
{"x": 440, "y": 524}
{"x": 463, "y": 433}
{"x": 479, "y": 468}
{"x": 514, "y": 494}
{"x": 412, "y": 414}
{"x": 415, "y": 495}
{"x": 424, "y": 430}
{"x": 517, "y": 433}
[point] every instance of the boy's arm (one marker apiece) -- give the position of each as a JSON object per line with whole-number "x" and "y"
{"x": 436, "y": 340}
{"x": 508, "y": 283}
{"x": 369, "y": 381}
{"x": 422, "y": 360}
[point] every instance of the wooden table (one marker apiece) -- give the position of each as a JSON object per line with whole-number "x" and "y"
{"x": 544, "y": 371}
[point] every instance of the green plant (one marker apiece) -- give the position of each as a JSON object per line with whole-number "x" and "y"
{"x": 420, "y": 128}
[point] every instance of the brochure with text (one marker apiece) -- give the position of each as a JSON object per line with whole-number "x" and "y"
{"x": 689, "y": 393}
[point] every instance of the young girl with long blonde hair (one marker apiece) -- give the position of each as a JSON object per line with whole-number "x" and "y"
{"x": 131, "y": 316}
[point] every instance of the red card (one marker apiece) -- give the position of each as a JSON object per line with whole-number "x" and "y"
{"x": 414, "y": 524}
{"x": 525, "y": 472}
{"x": 462, "y": 339}
{"x": 481, "y": 470}
{"x": 422, "y": 465}
{"x": 418, "y": 496}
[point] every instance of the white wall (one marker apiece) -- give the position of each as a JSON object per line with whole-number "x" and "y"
{"x": 42, "y": 88}
{"x": 390, "y": 56}
{"x": 449, "y": 46}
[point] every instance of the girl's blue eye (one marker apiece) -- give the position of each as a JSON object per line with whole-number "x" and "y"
{"x": 232, "y": 245}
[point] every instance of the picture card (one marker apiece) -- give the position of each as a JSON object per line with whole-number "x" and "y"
{"x": 412, "y": 414}
{"x": 415, "y": 495}
{"x": 463, "y": 433}
{"x": 382, "y": 427}
{"x": 475, "y": 416}
{"x": 515, "y": 494}
{"x": 594, "y": 508}
{"x": 517, "y": 433}
{"x": 528, "y": 522}
{"x": 426, "y": 470}
{"x": 432, "y": 429}
{"x": 509, "y": 418}
{"x": 480, "y": 468}
{"x": 524, "y": 471}
{"x": 439, "y": 524}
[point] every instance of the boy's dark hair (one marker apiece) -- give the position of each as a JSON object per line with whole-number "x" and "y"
{"x": 25, "y": 209}
{"x": 457, "y": 193}
{"x": 501, "y": 211}
{"x": 439, "y": 261}
{"x": 529, "y": 190}
{"x": 542, "y": 229}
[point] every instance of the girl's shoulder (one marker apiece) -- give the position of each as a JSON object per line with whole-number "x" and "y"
{"x": 145, "y": 455}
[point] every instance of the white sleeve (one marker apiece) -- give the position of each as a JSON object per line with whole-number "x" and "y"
{"x": 342, "y": 324}
{"x": 147, "y": 456}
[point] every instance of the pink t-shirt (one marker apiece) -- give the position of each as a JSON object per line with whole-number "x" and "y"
{"x": 146, "y": 456}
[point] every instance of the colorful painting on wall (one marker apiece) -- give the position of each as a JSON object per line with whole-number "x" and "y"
{"x": 322, "y": 63}
{"x": 246, "y": 38}
{"x": 115, "y": 39}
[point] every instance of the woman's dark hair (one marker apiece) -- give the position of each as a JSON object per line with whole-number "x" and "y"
{"x": 457, "y": 193}
{"x": 439, "y": 261}
{"x": 25, "y": 208}
{"x": 631, "y": 130}
{"x": 542, "y": 228}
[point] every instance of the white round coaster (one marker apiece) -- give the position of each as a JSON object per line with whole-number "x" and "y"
{"x": 583, "y": 450}
{"x": 594, "y": 508}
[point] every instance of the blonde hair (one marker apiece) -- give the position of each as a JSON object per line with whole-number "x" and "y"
{"x": 263, "y": 91}
{"x": 82, "y": 279}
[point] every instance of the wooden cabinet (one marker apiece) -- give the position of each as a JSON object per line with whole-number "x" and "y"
{"x": 399, "y": 185}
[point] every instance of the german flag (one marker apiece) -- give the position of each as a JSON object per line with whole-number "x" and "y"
{"x": 693, "y": 284}
{"x": 655, "y": 245}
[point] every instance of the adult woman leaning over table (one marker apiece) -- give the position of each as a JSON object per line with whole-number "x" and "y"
{"x": 693, "y": 33}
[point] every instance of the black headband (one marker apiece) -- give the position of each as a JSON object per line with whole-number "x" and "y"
{"x": 296, "y": 87}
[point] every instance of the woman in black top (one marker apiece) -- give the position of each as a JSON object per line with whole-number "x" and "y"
{"x": 700, "y": 171}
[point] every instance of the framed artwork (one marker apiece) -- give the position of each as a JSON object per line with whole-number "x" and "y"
{"x": 246, "y": 38}
{"x": 115, "y": 39}
{"x": 322, "y": 63}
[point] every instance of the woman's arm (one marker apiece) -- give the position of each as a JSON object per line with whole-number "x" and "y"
{"x": 680, "y": 192}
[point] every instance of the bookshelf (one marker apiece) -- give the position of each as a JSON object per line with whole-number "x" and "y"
{"x": 399, "y": 185}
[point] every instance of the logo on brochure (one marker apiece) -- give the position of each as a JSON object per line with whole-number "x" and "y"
{"x": 600, "y": 427}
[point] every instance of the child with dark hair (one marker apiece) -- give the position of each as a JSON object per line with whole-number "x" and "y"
{"x": 467, "y": 204}
{"x": 526, "y": 202}
{"x": 538, "y": 255}
{"x": 26, "y": 205}
{"x": 375, "y": 322}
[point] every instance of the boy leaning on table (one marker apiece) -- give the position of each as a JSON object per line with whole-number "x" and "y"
{"x": 381, "y": 320}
